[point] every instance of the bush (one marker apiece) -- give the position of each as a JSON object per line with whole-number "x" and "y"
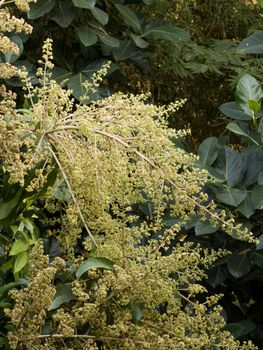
{"x": 80, "y": 267}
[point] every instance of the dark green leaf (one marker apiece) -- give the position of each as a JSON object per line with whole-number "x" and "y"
{"x": 60, "y": 74}
{"x": 11, "y": 285}
{"x": 20, "y": 262}
{"x": 165, "y": 32}
{"x": 87, "y": 36}
{"x": 85, "y": 4}
{"x": 257, "y": 197}
{"x": 229, "y": 196}
{"x": 234, "y": 166}
{"x": 63, "y": 295}
{"x": 63, "y": 14}
{"x": 231, "y": 110}
{"x": 257, "y": 259}
{"x": 139, "y": 41}
{"x": 40, "y": 8}
{"x": 252, "y": 44}
{"x": 205, "y": 227}
{"x": 217, "y": 275}
{"x": 260, "y": 243}
{"x": 7, "y": 207}
{"x": 108, "y": 40}
{"x": 10, "y": 57}
{"x": 246, "y": 207}
{"x": 241, "y": 328}
{"x": 238, "y": 265}
{"x": 123, "y": 51}
{"x": 94, "y": 263}
{"x": 100, "y": 15}
{"x": 207, "y": 151}
{"x": 260, "y": 177}
{"x": 129, "y": 17}
{"x": 75, "y": 84}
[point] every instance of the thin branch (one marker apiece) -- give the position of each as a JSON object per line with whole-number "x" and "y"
{"x": 72, "y": 195}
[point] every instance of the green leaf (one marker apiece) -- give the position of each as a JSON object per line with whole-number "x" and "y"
{"x": 234, "y": 166}
{"x": 248, "y": 88}
{"x": 7, "y": 207}
{"x": 254, "y": 106}
{"x": 5, "y": 288}
{"x": 229, "y": 196}
{"x": 20, "y": 262}
{"x": 40, "y": 8}
{"x": 123, "y": 51}
{"x": 94, "y": 263}
{"x": 238, "y": 265}
{"x": 205, "y": 227}
{"x": 257, "y": 197}
{"x": 257, "y": 259}
{"x": 129, "y": 17}
{"x": 260, "y": 177}
{"x": 63, "y": 14}
{"x": 139, "y": 41}
{"x": 166, "y": 32}
{"x": 246, "y": 207}
{"x": 217, "y": 274}
{"x": 108, "y": 40}
{"x": 252, "y": 44}
{"x": 60, "y": 74}
{"x": 260, "y": 242}
{"x": 85, "y": 4}
{"x": 63, "y": 295}
{"x": 100, "y": 15}
{"x": 239, "y": 329}
{"x": 237, "y": 130}
{"x": 231, "y": 110}
{"x": 136, "y": 311}
{"x": 207, "y": 151}
{"x": 18, "y": 247}
{"x": 87, "y": 36}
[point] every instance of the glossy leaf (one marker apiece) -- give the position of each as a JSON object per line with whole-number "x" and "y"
{"x": 129, "y": 17}
{"x": 100, "y": 15}
{"x": 18, "y": 247}
{"x": 85, "y": 4}
{"x": 257, "y": 259}
{"x": 40, "y": 8}
{"x": 232, "y": 110}
{"x": 63, "y": 14}
{"x": 207, "y": 151}
{"x": 260, "y": 177}
{"x": 87, "y": 36}
{"x": 63, "y": 295}
{"x": 217, "y": 274}
{"x": 234, "y": 166}
{"x": 238, "y": 265}
{"x": 252, "y": 44}
{"x": 94, "y": 263}
{"x": 20, "y": 262}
